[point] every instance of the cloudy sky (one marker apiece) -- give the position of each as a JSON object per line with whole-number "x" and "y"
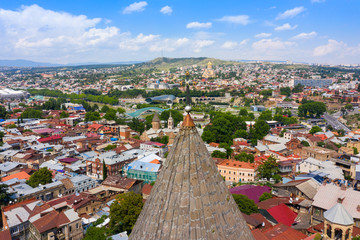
{"x": 75, "y": 31}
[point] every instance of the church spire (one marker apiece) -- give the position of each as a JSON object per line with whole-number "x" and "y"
{"x": 190, "y": 199}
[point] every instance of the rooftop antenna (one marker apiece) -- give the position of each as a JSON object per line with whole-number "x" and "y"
{"x": 188, "y": 99}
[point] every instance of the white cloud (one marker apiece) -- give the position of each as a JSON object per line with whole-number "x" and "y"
{"x": 199, "y": 25}
{"x": 271, "y": 44}
{"x": 135, "y": 44}
{"x": 304, "y": 36}
{"x": 168, "y": 45}
{"x": 331, "y": 47}
{"x": 285, "y": 26}
{"x": 290, "y": 13}
{"x": 232, "y": 44}
{"x": 263, "y": 35}
{"x": 199, "y": 44}
{"x": 240, "y": 19}
{"x": 229, "y": 45}
{"x": 167, "y": 10}
{"x": 135, "y": 7}
{"x": 52, "y": 29}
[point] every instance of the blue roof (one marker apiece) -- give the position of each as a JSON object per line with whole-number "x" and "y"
{"x": 144, "y": 166}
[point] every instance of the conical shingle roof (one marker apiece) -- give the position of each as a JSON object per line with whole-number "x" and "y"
{"x": 190, "y": 199}
{"x": 338, "y": 214}
{"x": 156, "y": 118}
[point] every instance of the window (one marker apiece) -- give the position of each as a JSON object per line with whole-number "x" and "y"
{"x": 77, "y": 226}
{"x": 69, "y": 228}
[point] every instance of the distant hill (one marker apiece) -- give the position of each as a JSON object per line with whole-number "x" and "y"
{"x": 167, "y": 63}
{"x": 25, "y": 63}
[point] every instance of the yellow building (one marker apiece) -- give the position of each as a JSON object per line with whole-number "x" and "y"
{"x": 236, "y": 171}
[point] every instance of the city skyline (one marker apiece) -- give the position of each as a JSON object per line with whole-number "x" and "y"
{"x": 313, "y": 31}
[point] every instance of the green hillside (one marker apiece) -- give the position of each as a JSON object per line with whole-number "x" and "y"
{"x": 167, "y": 63}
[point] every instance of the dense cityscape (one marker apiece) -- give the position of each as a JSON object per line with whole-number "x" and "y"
{"x": 82, "y": 147}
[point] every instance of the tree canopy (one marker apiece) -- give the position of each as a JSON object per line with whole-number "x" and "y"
{"x": 265, "y": 196}
{"x": 312, "y": 109}
{"x": 222, "y": 127}
{"x": 268, "y": 169}
{"x": 315, "y": 129}
{"x": 125, "y": 211}
{"x": 4, "y": 194}
{"x": 245, "y": 204}
{"x": 31, "y": 113}
{"x": 42, "y": 176}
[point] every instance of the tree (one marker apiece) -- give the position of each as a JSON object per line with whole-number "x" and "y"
{"x": 95, "y": 233}
{"x": 125, "y": 211}
{"x": 31, "y": 113}
{"x": 241, "y": 133}
{"x": 105, "y": 170}
{"x": 92, "y": 116}
{"x": 42, "y": 176}
{"x": 355, "y": 151}
{"x": 265, "y": 196}
{"x": 64, "y": 114}
{"x": 261, "y": 129}
{"x": 104, "y": 109}
{"x": 110, "y": 115}
{"x": 245, "y": 204}
{"x": 268, "y": 168}
{"x": 315, "y": 129}
{"x": 312, "y": 109}
{"x": 4, "y": 194}
{"x": 349, "y": 106}
{"x": 120, "y": 110}
{"x": 218, "y": 154}
{"x": 266, "y": 115}
{"x": 136, "y": 125}
{"x": 298, "y": 88}
{"x": 305, "y": 143}
{"x": 3, "y": 112}
{"x": 244, "y": 157}
{"x": 243, "y": 112}
{"x": 285, "y": 91}
{"x": 110, "y": 147}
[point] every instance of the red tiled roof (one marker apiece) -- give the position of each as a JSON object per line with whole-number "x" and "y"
{"x": 5, "y": 235}
{"x": 283, "y": 214}
{"x": 259, "y": 235}
{"x": 51, "y": 138}
{"x": 51, "y": 220}
{"x": 19, "y": 175}
{"x": 146, "y": 189}
{"x": 282, "y": 232}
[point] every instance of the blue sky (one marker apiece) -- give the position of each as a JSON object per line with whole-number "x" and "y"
{"x": 314, "y": 31}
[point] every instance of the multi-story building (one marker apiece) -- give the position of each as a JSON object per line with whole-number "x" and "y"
{"x": 114, "y": 162}
{"x": 56, "y": 225}
{"x": 236, "y": 171}
{"x": 318, "y": 153}
{"x": 83, "y": 183}
{"x": 145, "y": 171}
{"x": 154, "y": 147}
{"x": 317, "y": 83}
